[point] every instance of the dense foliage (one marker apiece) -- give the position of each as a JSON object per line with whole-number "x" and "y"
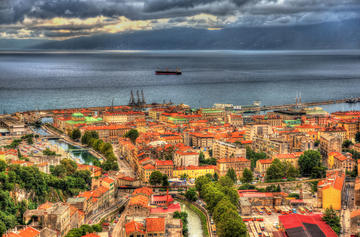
{"x": 222, "y": 200}
{"x": 279, "y": 170}
{"x": 254, "y": 156}
{"x": 357, "y": 137}
{"x": 39, "y": 186}
{"x": 247, "y": 176}
{"x": 183, "y": 216}
{"x": 157, "y": 178}
{"x": 83, "y": 230}
{"x": 203, "y": 161}
{"x": 332, "y": 219}
{"x": 310, "y": 164}
{"x": 91, "y": 138}
{"x": 48, "y": 152}
{"x": 346, "y": 144}
{"x": 133, "y": 134}
{"x": 75, "y": 134}
{"x": 191, "y": 194}
{"x": 231, "y": 174}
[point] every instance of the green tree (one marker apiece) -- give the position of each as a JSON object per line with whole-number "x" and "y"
{"x": 200, "y": 182}
{"x": 191, "y": 194}
{"x": 133, "y": 134}
{"x": 275, "y": 171}
{"x": 165, "y": 181}
{"x": 2, "y": 228}
{"x": 184, "y": 176}
{"x": 254, "y": 156}
{"x": 226, "y": 181}
{"x": 29, "y": 140}
{"x": 346, "y": 144}
{"x": 308, "y": 161}
{"x": 2, "y": 165}
{"x": 231, "y": 174}
{"x": 75, "y": 134}
{"x": 70, "y": 166}
{"x": 216, "y": 176}
{"x": 318, "y": 172}
{"x": 156, "y": 178}
{"x": 247, "y": 176}
{"x": 221, "y": 208}
{"x": 357, "y": 137}
{"x": 231, "y": 225}
{"x": 201, "y": 158}
{"x": 332, "y": 219}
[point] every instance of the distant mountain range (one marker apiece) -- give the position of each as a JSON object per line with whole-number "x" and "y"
{"x": 330, "y": 35}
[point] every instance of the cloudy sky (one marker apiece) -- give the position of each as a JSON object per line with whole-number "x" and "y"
{"x": 63, "y": 19}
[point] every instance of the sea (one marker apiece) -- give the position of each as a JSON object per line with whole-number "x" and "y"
{"x": 31, "y": 80}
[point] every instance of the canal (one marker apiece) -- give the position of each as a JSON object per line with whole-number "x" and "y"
{"x": 79, "y": 155}
{"x": 194, "y": 223}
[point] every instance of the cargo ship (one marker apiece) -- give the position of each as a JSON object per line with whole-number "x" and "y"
{"x": 168, "y": 72}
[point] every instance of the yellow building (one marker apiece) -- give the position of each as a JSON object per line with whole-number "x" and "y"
{"x": 147, "y": 170}
{"x": 262, "y": 166}
{"x": 330, "y": 189}
{"x": 194, "y": 171}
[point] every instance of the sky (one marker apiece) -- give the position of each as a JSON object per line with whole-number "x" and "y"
{"x": 64, "y": 19}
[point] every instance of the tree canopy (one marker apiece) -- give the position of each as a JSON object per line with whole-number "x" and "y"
{"x": 231, "y": 174}
{"x": 156, "y": 178}
{"x": 75, "y": 134}
{"x": 279, "y": 170}
{"x": 357, "y": 137}
{"x": 247, "y": 176}
{"x": 133, "y": 134}
{"x": 191, "y": 194}
{"x": 254, "y": 156}
{"x": 308, "y": 161}
{"x": 222, "y": 200}
{"x": 332, "y": 219}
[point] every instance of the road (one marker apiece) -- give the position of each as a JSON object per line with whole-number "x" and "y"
{"x": 124, "y": 166}
{"x": 347, "y": 206}
{"x": 96, "y": 218}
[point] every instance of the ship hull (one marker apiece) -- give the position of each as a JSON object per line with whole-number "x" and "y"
{"x": 167, "y": 73}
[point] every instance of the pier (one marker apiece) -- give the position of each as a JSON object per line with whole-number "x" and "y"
{"x": 308, "y": 104}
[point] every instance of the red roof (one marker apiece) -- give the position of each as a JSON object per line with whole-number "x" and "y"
{"x": 149, "y": 167}
{"x": 233, "y": 160}
{"x": 155, "y": 224}
{"x": 162, "y": 198}
{"x": 134, "y": 226}
{"x": 171, "y": 208}
{"x": 91, "y": 235}
{"x": 29, "y": 232}
{"x": 267, "y": 161}
{"x": 297, "y": 220}
{"x": 143, "y": 190}
{"x": 164, "y": 162}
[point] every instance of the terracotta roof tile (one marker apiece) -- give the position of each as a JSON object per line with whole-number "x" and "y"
{"x": 155, "y": 224}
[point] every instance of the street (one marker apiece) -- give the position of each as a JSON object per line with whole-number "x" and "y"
{"x": 96, "y": 218}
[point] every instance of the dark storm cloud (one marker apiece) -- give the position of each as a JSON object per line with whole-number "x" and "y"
{"x": 12, "y": 11}
{"x": 179, "y": 12}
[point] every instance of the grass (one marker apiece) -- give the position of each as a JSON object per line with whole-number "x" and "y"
{"x": 200, "y": 214}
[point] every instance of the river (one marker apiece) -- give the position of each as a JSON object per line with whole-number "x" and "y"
{"x": 194, "y": 223}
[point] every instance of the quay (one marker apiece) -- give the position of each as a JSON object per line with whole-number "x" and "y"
{"x": 48, "y": 112}
{"x": 288, "y": 106}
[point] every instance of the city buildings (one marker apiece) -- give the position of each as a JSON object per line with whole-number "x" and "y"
{"x": 239, "y": 164}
